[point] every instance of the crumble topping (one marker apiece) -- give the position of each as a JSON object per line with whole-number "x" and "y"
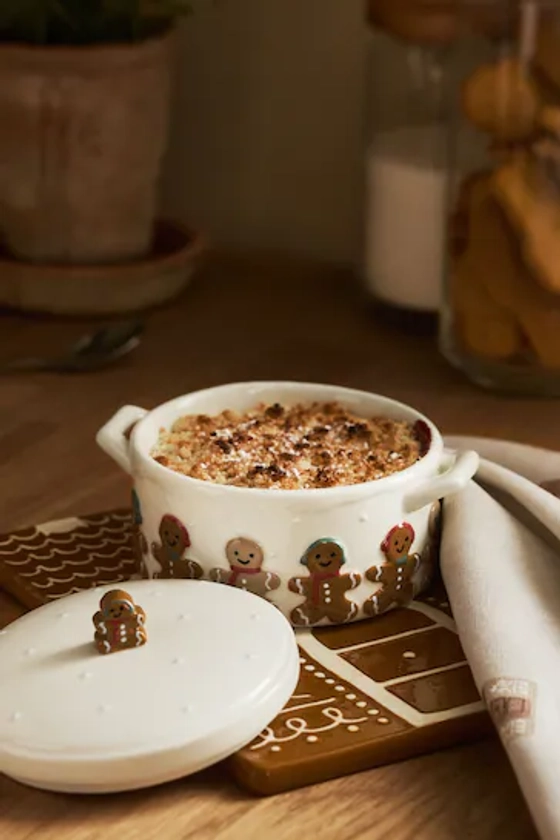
{"x": 295, "y": 447}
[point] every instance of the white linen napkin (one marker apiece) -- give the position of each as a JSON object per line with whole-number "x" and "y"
{"x": 500, "y": 560}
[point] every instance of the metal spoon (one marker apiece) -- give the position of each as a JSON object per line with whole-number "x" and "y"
{"x": 90, "y": 352}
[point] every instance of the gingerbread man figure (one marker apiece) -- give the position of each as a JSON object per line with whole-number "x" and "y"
{"x": 119, "y": 623}
{"x": 170, "y": 552}
{"x": 396, "y": 575}
{"x": 324, "y": 588}
{"x": 246, "y": 558}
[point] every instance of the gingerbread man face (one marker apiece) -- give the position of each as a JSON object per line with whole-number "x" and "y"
{"x": 324, "y": 557}
{"x": 398, "y": 542}
{"x": 173, "y": 533}
{"x": 243, "y": 553}
{"x": 116, "y": 604}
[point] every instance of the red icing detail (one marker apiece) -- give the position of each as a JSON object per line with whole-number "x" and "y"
{"x": 113, "y": 625}
{"x": 424, "y": 435}
{"x": 169, "y": 518}
{"x": 237, "y": 571}
{"x": 403, "y": 525}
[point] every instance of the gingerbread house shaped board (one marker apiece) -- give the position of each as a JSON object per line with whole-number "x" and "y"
{"x": 45, "y": 562}
{"x": 369, "y": 693}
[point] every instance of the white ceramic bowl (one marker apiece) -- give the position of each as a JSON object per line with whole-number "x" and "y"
{"x": 323, "y": 556}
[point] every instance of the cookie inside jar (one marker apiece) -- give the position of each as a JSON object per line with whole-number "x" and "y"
{"x": 501, "y": 319}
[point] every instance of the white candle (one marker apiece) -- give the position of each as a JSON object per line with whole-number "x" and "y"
{"x": 405, "y": 216}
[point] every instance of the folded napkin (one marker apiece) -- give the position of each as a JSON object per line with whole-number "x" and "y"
{"x": 500, "y": 560}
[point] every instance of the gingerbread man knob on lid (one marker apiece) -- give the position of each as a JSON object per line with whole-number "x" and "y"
{"x": 119, "y": 623}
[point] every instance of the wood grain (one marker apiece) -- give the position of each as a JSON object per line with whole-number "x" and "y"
{"x": 248, "y": 320}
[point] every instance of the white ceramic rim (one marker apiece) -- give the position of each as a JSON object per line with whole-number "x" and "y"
{"x": 302, "y": 391}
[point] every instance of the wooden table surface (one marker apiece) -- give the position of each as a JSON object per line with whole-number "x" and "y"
{"x": 238, "y": 321}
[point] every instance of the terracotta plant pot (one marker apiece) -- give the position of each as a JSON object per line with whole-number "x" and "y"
{"x": 83, "y": 134}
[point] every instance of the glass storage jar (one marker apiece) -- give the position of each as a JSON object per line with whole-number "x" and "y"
{"x": 405, "y": 165}
{"x": 501, "y": 310}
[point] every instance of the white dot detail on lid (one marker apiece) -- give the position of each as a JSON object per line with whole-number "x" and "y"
{"x": 361, "y": 704}
{"x": 383, "y": 720}
{"x": 311, "y": 739}
{"x": 339, "y": 688}
{"x": 409, "y": 654}
{"x": 353, "y": 728}
{"x": 350, "y": 696}
{"x": 275, "y": 748}
{"x": 310, "y": 667}
{"x": 319, "y": 675}
{"x": 373, "y": 712}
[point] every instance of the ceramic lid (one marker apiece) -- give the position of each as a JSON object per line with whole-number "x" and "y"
{"x": 218, "y": 665}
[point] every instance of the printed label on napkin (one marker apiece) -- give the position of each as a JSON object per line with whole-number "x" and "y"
{"x": 511, "y": 703}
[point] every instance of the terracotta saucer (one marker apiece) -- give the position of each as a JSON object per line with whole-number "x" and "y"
{"x": 62, "y": 289}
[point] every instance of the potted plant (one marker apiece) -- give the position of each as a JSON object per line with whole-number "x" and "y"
{"x": 84, "y": 105}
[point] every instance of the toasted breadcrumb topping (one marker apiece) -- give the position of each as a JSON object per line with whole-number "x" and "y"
{"x": 297, "y": 447}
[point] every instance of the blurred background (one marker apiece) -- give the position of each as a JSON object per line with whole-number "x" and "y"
{"x": 267, "y": 128}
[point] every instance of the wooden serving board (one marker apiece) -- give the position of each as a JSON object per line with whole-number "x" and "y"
{"x": 373, "y": 692}
{"x": 369, "y": 693}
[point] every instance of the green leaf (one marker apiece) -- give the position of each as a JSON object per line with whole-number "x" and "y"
{"x": 88, "y": 21}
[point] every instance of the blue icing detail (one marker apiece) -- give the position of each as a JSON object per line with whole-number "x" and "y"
{"x": 323, "y": 541}
{"x": 136, "y": 509}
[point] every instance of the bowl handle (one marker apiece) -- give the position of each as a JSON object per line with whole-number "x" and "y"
{"x": 451, "y": 481}
{"x": 113, "y": 436}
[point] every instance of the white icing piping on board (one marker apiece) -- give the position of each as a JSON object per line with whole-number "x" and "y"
{"x": 61, "y": 527}
{"x": 76, "y": 539}
{"x": 84, "y": 575}
{"x": 299, "y": 726}
{"x": 377, "y": 691}
{"x": 79, "y": 563}
{"x": 76, "y": 589}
